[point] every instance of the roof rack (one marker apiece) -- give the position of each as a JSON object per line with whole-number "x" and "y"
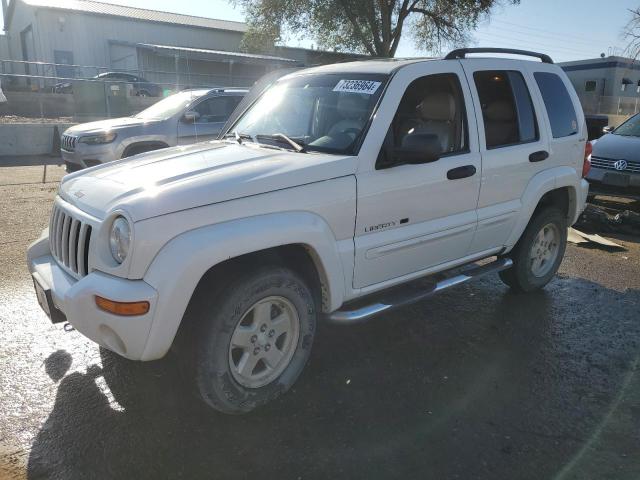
{"x": 462, "y": 53}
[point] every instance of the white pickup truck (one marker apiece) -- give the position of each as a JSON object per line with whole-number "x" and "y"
{"x": 336, "y": 184}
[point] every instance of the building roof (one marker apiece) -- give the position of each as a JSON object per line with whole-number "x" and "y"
{"x": 217, "y": 53}
{"x": 601, "y": 62}
{"x": 100, "y": 8}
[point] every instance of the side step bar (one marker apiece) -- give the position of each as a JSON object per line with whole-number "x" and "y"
{"x": 412, "y": 292}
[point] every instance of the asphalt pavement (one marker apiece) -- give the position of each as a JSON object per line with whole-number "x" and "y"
{"x": 475, "y": 383}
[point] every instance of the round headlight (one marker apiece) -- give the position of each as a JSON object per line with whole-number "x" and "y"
{"x": 119, "y": 239}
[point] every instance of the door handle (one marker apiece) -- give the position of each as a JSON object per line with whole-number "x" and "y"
{"x": 461, "y": 172}
{"x": 539, "y": 156}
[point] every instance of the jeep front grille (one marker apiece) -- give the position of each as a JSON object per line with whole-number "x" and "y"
{"x": 608, "y": 164}
{"x": 68, "y": 143}
{"x": 69, "y": 240}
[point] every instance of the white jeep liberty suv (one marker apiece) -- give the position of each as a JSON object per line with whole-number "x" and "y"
{"x": 334, "y": 185}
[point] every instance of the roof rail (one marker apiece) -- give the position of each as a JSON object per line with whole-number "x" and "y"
{"x": 462, "y": 52}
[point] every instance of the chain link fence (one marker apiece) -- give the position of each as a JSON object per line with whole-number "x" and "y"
{"x": 80, "y": 93}
{"x": 610, "y": 105}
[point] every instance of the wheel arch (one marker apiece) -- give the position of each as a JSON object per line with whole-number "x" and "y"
{"x": 144, "y": 144}
{"x": 300, "y": 240}
{"x": 555, "y": 186}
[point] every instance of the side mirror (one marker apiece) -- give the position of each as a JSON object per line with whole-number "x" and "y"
{"x": 418, "y": 148}
{"x": 608, "y": 129}
{"x": 190, "y": 117}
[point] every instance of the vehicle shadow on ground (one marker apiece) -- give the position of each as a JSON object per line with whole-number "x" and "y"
{"x": 476, "y": 383}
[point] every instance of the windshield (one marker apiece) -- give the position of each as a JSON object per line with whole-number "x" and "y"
{"x": 325, "y": 113}
{"x": 169, "y": 106}
{"x": 630, "y": 128}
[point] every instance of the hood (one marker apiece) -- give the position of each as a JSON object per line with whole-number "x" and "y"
{"x": 103, "y": 125}
{"x": 173, "y": 179}
{"x": 617, "y": 147}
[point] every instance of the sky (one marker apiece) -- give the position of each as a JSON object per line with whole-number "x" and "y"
{"x": 565, "y": 29}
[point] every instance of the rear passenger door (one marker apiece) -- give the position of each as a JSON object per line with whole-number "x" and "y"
{"x": 513, "y": 144}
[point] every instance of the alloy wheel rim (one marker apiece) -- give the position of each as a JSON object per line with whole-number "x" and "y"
{"x": 264, "y": 341}
{"x": 544, "y": 250}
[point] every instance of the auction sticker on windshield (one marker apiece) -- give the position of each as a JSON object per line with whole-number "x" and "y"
{"x": 357, "y": 86}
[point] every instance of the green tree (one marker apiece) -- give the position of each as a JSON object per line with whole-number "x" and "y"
{"x": 632, "y": 34}
{"x": 372, "y": 27}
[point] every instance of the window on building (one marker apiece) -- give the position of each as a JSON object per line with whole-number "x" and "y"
{"x": 557, "y": 101}
{"x": 433, "y": 105}
{"x": 507, "y": 110}
{"x": 590, "y": 86}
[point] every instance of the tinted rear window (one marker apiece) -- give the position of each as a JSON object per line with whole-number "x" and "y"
{"x": 557, "y": 101}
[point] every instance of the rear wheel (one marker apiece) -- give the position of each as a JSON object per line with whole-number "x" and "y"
{"x": 539, "y": 252}
{"x": 252, "y": 338}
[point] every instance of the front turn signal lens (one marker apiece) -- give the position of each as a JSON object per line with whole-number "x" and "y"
{"x": 125, "y": 309}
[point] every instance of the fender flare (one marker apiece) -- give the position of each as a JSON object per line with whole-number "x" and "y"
{"x": 146, "y": 142}
{"x": 542, "y": 183}
{"x": 182, "y": 262}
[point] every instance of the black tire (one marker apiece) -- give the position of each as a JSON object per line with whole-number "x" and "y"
{"x": 213, "y": 317}
{"x": 520, "y": 276}
{"x": 72, "y": 167}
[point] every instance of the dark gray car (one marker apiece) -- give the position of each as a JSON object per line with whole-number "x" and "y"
{"x": 615, "y": 161}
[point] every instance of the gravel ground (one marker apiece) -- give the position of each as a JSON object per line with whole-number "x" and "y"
{"x": 474, "y": 383}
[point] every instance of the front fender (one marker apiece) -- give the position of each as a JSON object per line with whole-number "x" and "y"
{"x": 182, "y": 262}
{"x": 542, "y": 183}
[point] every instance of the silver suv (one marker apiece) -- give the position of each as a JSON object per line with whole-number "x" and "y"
{"x": 187, "y": 117}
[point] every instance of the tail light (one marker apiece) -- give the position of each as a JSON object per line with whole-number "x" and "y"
{"x": 586, "y": 166}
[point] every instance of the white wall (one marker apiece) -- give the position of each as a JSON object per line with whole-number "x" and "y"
{"x": 88, "y": 36}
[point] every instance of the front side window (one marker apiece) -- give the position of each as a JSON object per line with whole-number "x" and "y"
{"x": 507, "y": 110}
{"x": 557, "y": 101}
{"x": 323, "y": 112}
{"x": 216, "y": 109}
{"x": 433, "y": 105}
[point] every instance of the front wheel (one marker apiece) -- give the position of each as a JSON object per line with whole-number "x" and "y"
{"x": 539, "y": 252}
{"x": 252, "y": 339}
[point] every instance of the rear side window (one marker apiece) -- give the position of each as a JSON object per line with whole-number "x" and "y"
{"x": 557, "y": 101}
{"x": 507, "y": 110}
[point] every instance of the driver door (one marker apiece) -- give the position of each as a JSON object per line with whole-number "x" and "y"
{"x": 413, "y": 217}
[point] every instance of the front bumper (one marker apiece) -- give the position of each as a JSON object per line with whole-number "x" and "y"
{"x": 75, "y": 298}
{"x": 85, "y": 156}
{"x": 611, "y": 182}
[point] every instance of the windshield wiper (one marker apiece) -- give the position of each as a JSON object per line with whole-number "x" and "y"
{"x": 239, "y": 137}
{"x": 283, "y": 138}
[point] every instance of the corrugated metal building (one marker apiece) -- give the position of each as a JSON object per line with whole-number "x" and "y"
{"x": 606, "y": 84}
{"x": 163, "y": 47}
